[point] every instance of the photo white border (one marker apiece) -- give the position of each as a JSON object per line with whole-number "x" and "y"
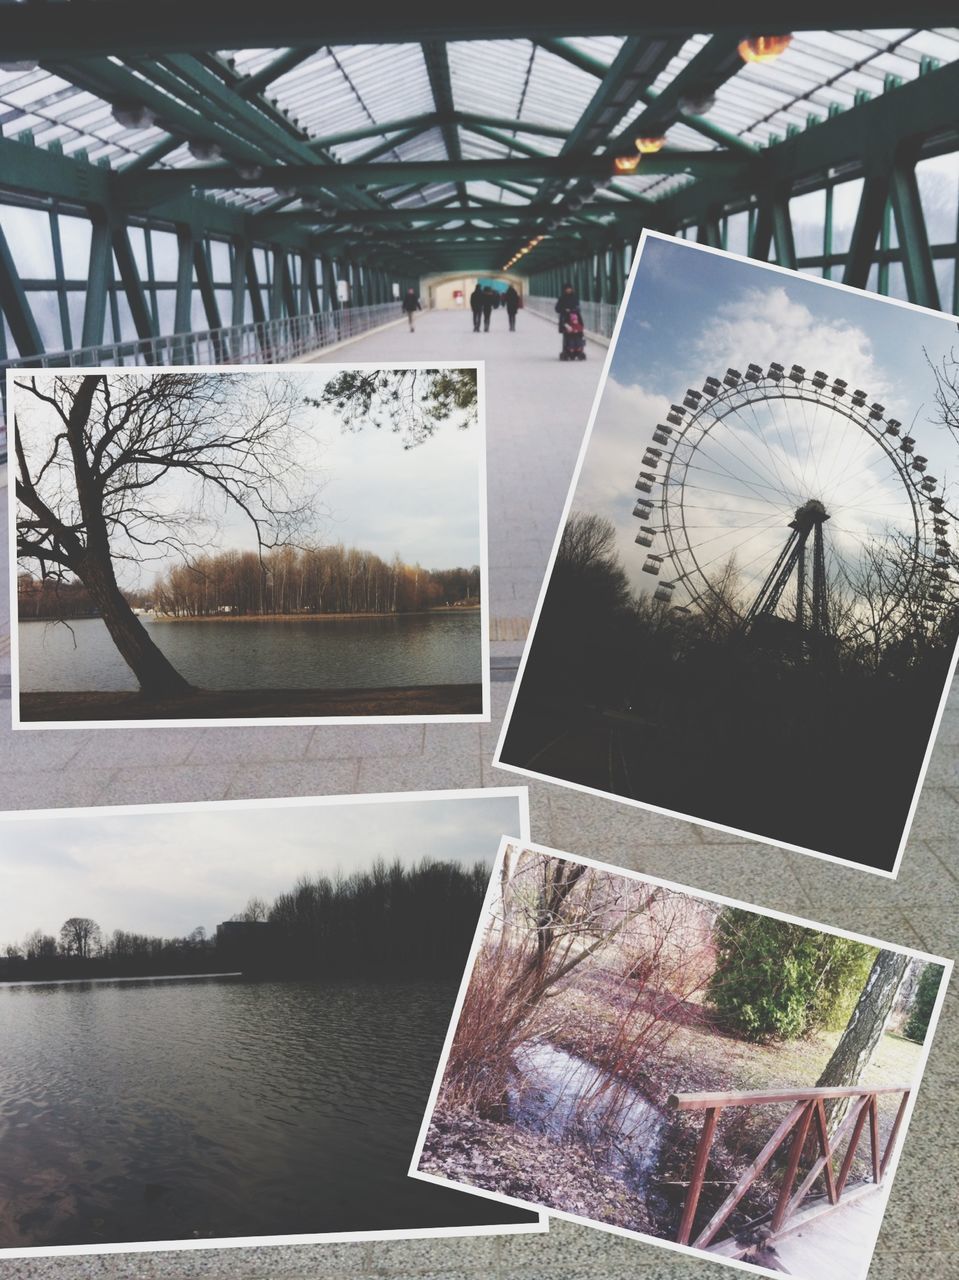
{"x": 520, "y": 794}
{"x": 497, "y": 762}
{"x": 703, "y": 895}
{"x": 297, "y": 370}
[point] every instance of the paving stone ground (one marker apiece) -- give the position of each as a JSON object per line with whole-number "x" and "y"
{"x": 537, "y": 409}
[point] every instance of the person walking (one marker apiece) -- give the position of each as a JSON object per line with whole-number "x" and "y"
{"x": 490, "y": 301}
{"x": 566, "y": 302}
{"x": 411, "y": 304}
{"x": 512, "y": 306}
{"x": 476, "y": 306}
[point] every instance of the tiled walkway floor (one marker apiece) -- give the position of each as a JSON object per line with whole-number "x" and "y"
{"x": 537, "y": 409}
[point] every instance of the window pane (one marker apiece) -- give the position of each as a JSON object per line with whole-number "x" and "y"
{"x": 28, "y": 235}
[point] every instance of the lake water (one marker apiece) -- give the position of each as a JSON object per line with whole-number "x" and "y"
{"x": 216, "y": 1108}
{"x": 348, "y": 653}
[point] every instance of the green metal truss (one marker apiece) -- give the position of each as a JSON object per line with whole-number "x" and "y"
{"x": 174, "y": 249}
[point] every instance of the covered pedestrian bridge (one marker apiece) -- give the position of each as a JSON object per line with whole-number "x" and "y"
{"x": 171, "y": 190}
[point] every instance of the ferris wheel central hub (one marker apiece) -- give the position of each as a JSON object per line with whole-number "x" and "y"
{"x": 809, "y": 515}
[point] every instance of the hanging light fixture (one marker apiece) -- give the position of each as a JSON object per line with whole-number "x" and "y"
{"x": 697, "y": 102}
{"x": 133, "y": 115}
{"x": 24, "y": 64}
{"x": 764, "y": 48}
{"x": 249, "y": 172}
{"x": 202, "y": 150}
{"x": 626, "y": 164}
{"x": 649, "y": 146}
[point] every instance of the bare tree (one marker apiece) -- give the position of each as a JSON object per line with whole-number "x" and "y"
{"x": 256, "y": 909}
{"x": 95, "y": 490}
{"x": 80, "y": 936}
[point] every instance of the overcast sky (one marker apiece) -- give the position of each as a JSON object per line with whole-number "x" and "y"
{"x": 693, "y": 313}
{"x": 165, "y": 873}
{"x": 422, "y": 503}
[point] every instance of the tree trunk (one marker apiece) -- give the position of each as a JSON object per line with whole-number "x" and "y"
{"x": 94, "y": 564}
{"x": 857, "y": 1043}
{"x": 156, "y": 675}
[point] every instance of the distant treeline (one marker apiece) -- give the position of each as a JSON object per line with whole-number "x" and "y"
{"x": 414, "y": 921}
{"x": 391, "y": 921}
{"x": 319, "y": 580}
{"x": 53, "y": 599}
{"x": 83, "y": 952}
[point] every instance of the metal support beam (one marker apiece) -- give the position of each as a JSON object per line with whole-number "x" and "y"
{"x": 865, "y": 233}
{"x": 130, "y": 279}
{"x": 917, "y": 264}
{"x": 98, "y": 282}
{"x": 150, "y": 188}
{"x": 14, "y": 305}
{"x": 183, "y": 310}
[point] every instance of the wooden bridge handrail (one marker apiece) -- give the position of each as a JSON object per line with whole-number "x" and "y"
{"x": 807, "y": 1116}
{"x": 762, "y": 1097}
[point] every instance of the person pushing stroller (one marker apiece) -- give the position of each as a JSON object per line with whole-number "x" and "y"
{"x": 574, "y": 336}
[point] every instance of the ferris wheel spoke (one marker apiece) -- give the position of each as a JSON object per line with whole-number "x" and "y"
{"x": 772, "y": 467}
{"x": 763, "y": 476}
{"x": 800, "y": 462}
{"x": 692, "y": 466}
{"x": 766, "y": 457}
{"x": 727, "y": 531}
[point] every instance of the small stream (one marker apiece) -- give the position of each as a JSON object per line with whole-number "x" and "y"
{"x": 563, "y": 1096}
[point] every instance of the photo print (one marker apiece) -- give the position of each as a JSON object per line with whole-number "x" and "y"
{"x": 750, "y": 615}
{"x": 680, "y": 1067}
{"x": 221, "y": 1021}
{"x": 248, "y": 545}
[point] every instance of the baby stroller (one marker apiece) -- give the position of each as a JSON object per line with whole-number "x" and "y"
{"x": 574, "y": 338}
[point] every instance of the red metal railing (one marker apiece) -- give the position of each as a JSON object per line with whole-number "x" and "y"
{"x": 808, "y": 1112}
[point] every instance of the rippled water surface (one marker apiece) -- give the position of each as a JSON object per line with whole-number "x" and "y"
{"x": 335, "y": 653}
{"x": 216, "y": 1107}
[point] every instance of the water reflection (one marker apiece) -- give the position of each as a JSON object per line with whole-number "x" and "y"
{"x": 564, "y": 1096}
{"x": 347, "y": 653}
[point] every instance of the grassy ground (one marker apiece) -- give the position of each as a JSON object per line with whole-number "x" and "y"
{"x": 697, "y": 1056}
{"x": 212, "y": 704}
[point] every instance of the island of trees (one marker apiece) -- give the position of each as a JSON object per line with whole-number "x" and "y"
{"x": 286, "y": 582}
{"x": 390, "y": 921}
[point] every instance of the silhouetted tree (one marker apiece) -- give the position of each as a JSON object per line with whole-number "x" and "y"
{"x": 90, "y": 491}
{"x": 80, "y": 936}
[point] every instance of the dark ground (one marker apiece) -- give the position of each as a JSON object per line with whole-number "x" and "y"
{"x": 209, "y": 704}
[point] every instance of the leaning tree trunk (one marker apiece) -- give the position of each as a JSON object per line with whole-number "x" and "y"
{"x": 857, "y": 1043}
{"x": 155, "y": 673}
{"x": 93, "y": 564}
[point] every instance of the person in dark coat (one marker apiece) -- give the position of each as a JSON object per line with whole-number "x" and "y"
{"x": 566, "y": 302}
{"x": 512, "y": 306}
{"x": 411, "y": 304}
{"x": 490, "y": 300}
{"x": 476, "y": 306}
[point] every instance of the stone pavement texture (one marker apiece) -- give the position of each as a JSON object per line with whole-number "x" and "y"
{"x": 536, "y": 412}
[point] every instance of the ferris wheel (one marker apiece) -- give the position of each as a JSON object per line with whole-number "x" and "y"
{"x": 793, "y": 483}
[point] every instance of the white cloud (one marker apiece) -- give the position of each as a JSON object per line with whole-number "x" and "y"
{"x": 763, "y": 325}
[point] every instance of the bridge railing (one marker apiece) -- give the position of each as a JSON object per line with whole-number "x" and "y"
{"x": 807, "y": 1112}
{"x": 599, "y": 318}
{"x": 264, "y": 342}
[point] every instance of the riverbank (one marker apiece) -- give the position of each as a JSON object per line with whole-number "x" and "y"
{"x": 214, "y": 704}
{"x": 303, "y": 617}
